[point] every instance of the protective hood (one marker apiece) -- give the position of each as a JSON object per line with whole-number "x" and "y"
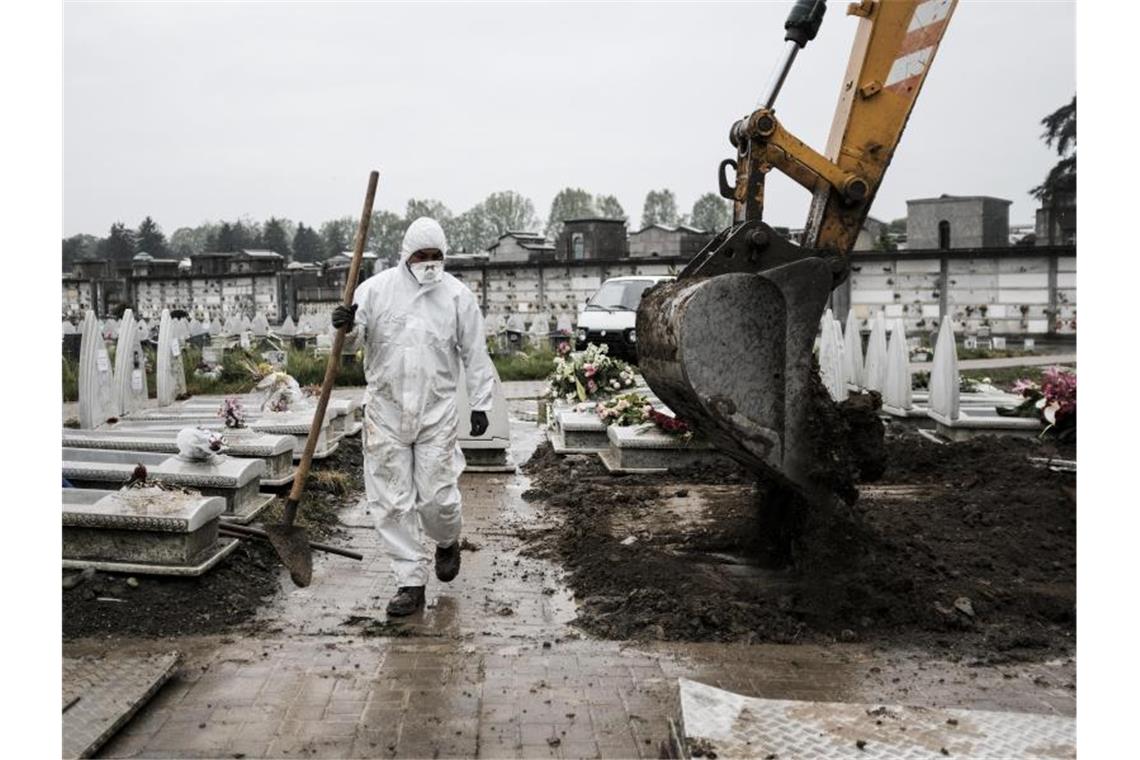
{"x": 424, "y": 232}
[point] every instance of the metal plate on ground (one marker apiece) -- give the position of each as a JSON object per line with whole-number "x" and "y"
{"x": 732, "y": 726}
{"x": 100, "y": 694}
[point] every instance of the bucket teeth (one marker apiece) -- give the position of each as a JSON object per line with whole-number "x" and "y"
{"x": 732, "y": 355}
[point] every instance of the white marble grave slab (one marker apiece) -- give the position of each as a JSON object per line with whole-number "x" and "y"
{"x": 170, "y": 374}
{"x": 130, "y": 368}
{"x": 853, "y": 352}
{"x": 96, "y": 377}
{"x": 875, "y": 369}
{"x": 897, "y": 399}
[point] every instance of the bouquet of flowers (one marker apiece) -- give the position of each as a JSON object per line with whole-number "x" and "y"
{"x": 232, "y": 413}
{"x": 634, "y": 409}
{"x": 627, "y": 409}
{"x": 674, "y": 426}
{"x": 1054, "y": 401}
{"x": 592, "y": 373}
{"x": 282, "y": 393}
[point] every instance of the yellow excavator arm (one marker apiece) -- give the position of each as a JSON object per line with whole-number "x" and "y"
{"x": 728, "y": 345}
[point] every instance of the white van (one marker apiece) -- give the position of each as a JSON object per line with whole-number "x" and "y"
{"x": 610, "y": 314}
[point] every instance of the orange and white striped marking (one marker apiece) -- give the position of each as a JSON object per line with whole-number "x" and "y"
{"x": 927, "y": 25}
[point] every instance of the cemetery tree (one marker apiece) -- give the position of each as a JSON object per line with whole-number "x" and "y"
{"x": 470, "y": 231}
{"x": 1060, "y": 132}
{"x": 385, "y": 233}
{"x": 337, "y": 235}
{"x": 418, "y": 207}
{"x": 306, "y": 244}
{"x": 897, "y": 226}
{"x": 609, "y": 208}
{"x": 77, "y": 248}
{"x": 119, "y": 245}
{"x": 225, "y": 240}
{"x": 149, "y": 239}
{"x": 276, "y": 238}
{"x": 505, "y": 211}
{"x": 660, "y": 208}
{"x": 569, "y": 203}
{"x": 711, "y": 213}
{"x": 187, "y": 241}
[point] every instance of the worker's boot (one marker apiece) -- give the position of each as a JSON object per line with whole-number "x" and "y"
{"x": 447, "y": 562}
{"x": 408, "y": 599}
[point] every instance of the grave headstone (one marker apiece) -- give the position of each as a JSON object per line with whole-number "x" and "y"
{"x": 215, "y": 327}
{"x": 96, "y": 376}
{"x": 1029, "y": 344}
{"x": 875, "y": 376}
{"x": 196, "y": 328}
{"x": 287, "y": 328}
{"x": 130, "y": 368}
{"x": 897, "y": 390}
{"x": 68, "y": 328}
{"x": 831, "y": 370}
{"x": 999, "y": 343}
{"x": 945, "y": 398}
{"x": 170, "y": 375}
{"x": 246, "y": 323}
{"x": 853, "y": 352}
{"x": 259, "y": 326}
{"x": 970, "y": 342}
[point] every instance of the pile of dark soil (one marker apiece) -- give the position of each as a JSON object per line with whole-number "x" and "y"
{"x": 967, "y": 548}
{"x": 223, "y": 599}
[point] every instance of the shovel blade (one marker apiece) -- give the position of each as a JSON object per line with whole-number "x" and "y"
{"x": 292, "y": 546}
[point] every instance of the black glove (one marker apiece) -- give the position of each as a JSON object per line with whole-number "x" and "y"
{"x": 344, "y": 316}
{"x": 478, "y": 423}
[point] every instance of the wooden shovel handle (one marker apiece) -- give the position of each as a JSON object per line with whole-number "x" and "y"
{"x": 333, "y": 365}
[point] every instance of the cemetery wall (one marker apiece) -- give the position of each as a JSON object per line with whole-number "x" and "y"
{"x": 1010, "y": 291}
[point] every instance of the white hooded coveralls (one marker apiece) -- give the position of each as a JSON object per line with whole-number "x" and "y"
{"x": 415, "y": 337}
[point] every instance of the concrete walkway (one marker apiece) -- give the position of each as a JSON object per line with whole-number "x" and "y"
{"x": 494, "y": 666}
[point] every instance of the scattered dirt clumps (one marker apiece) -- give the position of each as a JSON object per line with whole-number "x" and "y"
{"x": 966, "y": 548}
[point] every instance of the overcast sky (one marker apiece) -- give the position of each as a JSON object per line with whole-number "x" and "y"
{"x": 209, "y": 111}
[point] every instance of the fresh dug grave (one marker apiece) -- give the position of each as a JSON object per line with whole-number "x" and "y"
{"x": 103, "y": 604}
{"x": 967, "y": 548}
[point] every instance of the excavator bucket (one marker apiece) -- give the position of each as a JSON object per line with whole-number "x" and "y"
{"x": 731, "y": 354}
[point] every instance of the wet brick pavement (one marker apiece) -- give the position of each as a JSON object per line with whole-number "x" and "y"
{"x": 493, "y": 668}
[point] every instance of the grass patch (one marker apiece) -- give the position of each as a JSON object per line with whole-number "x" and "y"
{"x": 330, "y": 481}
{"x": 1005, "y": 377}
{"x": 535, "y": 365}
{"x": 303, "y": 364}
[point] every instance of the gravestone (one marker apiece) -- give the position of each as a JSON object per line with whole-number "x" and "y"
{"x": 831, "y": 370}
{"x": 170, "y": 374}
{"x": 897, "y": 389}
{"x": 96, "y": 377}
{"x": 232, "y": 326}
{"x": 1028, "y": 344}
{"x": 235, "y": 480}
{"x": 287, "y": 328}
{"x": 646, "y": 449}
{"x": 853, "y": 353}
{"x": 259, "y": 326}
{"x": 539, "y": 331}
{"x": 489, "y": 452}
{"x": 130, "y": 368}
{"x": 215, "y": 327}
{"x": 577, "y": 432}
{"x": 196, "y": 328}
{"x": 970, "y": 342}
{"x": 276, "y": 451}
{"x": 944, "y": 379}
{"x": 68, "y": 328}
{"x": 143, "y": 530}
{"x": 875, "y": 370}
{"x": 999, "y": 343}
{"x": 246, "y": 323}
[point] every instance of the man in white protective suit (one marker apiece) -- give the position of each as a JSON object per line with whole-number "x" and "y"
{"x": 417, "y": 324}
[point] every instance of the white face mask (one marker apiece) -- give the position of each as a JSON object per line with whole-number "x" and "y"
{"x": 427, "y": 272}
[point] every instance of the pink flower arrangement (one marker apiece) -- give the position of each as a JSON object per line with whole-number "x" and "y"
{"x": 232, "y": 413}
{"x": 1054, "y": 401}
{"x": 589, "y": 370}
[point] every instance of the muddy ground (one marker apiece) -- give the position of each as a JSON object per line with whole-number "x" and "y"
{"x": 967, "y": 549}
{"x": 228, "y": 596}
